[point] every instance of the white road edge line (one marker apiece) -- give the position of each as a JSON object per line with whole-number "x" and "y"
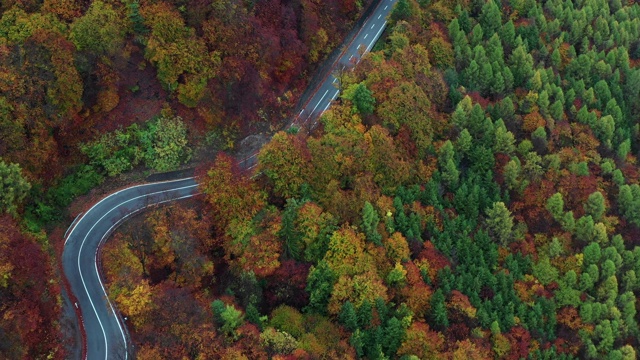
{"x": 121, "y": 190}
{"x": 376, "y": 37}
{"x": 124, "y": 339}
{"x": 329, "y": 104}
{"x": 71, "y": 226}
{"x": 106, "y": 343}
{"x": 81, "y": 215}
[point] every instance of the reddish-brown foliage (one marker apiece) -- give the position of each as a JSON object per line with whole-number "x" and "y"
{"x": 417, "y": 295}
{"x": 531, "y": 207}
{"x": 287, "y": 285}
{"x": 501, "y": 160}
{"x": 575, "y": 190}
{"x": 29, "y": 311}
{"x": 436, "y": 260}
{"x": 532, "y": 121}
{"x": 422, "y": 342}
{"x": 520, "y": 340}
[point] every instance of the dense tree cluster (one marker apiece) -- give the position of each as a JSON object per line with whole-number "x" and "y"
{"x": 82, "y": 85}
{"x": 29, "y": 301}
{"x": 236, "y": 62}
{"x": 472, "y": 194}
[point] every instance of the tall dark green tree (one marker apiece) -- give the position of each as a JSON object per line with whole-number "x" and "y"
{"x": 365, "y": 314}
{"x": 402, "y": 10}
{"x": 136, "y": 18}
{"x": 292, "y": 239}
{"x": 500, "y": 223}
{"x": 438, "y": 311}
{"x": 490, "y": 18}
{"x": 370, "y": 220}
{"x": 348, "y": 317}
{"x": 521, "y": 65}
{"x": 595, "y": 206}
{"x": 363, "y": 99}
{"x": 555, "y": 205}
{"x": 13, "y": 187}
{"x": 394, "y": 335}
{"x": 319, "y": 286}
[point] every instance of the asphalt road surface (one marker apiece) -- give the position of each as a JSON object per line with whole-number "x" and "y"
{"x": 329, "y": 89}
{"x": 104, "y": 328}
{"x": 362, "y": 43}
{"x": 105, "y": 332}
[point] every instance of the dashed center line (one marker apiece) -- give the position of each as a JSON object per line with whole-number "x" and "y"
{"x": 365, "y": 35}
{"x": 386, "y": 7}
{"x": 379, "y": 16}
{"x": 372, "y": 26}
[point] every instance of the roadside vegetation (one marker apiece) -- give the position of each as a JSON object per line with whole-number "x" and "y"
{"x": 92, "y": 90}
{"x": 471, "y": 195}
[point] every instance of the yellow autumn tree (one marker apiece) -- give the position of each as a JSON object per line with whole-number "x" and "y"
{"x": 422, "y": 342}
{"x": 345, "y": 254}
{"x": 136, "y": 303}
{"x": 147, "y": 352}
{"x": 397, "y": 247}
{"x": 285, "y": 161}
{"x": 255, "y": 247}
{"x": 356, "y": 289}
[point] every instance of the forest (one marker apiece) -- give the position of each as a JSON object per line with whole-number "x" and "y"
{"x": 472, "y": 194}
{"x": 91, "y": 92}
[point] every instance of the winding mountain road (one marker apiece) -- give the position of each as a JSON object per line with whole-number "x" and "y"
{"x": 105, "y": 332}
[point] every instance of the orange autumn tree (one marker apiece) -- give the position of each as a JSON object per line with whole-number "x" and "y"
{"x": 255, "y": 247}
{"x": 179, "y": 242}
{"x": 123, "y": 270}
{"x": 358, "y": 279}
{"x": 285, "y": 162}
{"x": 422, "y": 342}
{"x": 229, "y": 193}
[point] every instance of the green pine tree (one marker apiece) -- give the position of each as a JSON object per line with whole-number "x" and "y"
{"x": 13, "y": 187}
{"x": 370, "y": 220}
{"x": 500, "y": 223}
{"x": 348, "y": 317}
{"x": 438, "y": 311}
